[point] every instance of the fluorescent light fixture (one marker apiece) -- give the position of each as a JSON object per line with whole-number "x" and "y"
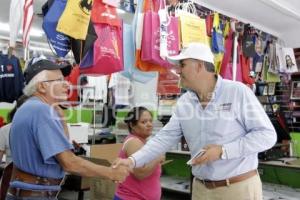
{"x": 33, "y": 31}
{"x": 43, "y": 49}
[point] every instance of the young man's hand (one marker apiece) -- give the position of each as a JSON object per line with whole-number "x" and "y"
{"x": 212, "y": 153}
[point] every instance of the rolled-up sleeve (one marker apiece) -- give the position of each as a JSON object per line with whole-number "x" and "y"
{"x": 260, "y": 133}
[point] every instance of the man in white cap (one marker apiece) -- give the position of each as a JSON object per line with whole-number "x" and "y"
{"x": 40, "y": 148}
{"x": 222, "y": 119}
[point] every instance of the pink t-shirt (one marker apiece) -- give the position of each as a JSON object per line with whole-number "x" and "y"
{"x": 133, "y": 189}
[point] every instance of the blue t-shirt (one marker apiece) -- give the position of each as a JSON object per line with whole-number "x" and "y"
{"x": 36, "y": 136}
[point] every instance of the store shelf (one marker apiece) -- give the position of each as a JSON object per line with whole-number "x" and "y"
{"x": 175, "y": 184}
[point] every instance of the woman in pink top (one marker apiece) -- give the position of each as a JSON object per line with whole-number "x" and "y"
{"x": 143, "y": 183}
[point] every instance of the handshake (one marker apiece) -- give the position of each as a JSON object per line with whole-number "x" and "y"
{"x": 120, "y": 169}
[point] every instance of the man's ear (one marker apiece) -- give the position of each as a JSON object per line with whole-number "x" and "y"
{"x": 41, "y": 88}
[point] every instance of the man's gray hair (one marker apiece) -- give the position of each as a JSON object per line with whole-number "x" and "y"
{"x": 31, "y": 87}
{"x": 210, "y": 67}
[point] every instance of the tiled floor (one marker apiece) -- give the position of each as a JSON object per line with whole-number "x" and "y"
{"x": 270, "y": 192}
{"x": 69, "y": 195}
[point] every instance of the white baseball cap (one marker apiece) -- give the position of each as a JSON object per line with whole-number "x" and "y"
{"x": 196, "y": 51}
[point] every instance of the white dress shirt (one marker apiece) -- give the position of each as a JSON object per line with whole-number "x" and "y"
{"x": 233, "y": 118}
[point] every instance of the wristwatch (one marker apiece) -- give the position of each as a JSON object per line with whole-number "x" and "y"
{"x": 224, "y": 153}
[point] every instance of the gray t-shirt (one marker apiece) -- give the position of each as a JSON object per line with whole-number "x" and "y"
{"x": 4, "y": 141}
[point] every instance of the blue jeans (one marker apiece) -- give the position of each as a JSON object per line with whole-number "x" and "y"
{"x": 10, "y": 197}
{"x": 117, "y": 198}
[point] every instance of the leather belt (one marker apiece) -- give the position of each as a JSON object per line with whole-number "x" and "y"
{"x": 214, "y": 184}
{"x": 17, "y": 192}
{"x": 25, "y": 177}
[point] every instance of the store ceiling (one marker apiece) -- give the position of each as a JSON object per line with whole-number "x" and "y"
{"x": 278, "y": 17}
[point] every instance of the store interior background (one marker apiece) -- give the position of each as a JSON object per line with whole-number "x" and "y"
{"x": 280, "y": 18}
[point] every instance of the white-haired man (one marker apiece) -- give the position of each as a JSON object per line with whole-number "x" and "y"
{"x": 222, "y": 117}
{"x": 40, "y": 149}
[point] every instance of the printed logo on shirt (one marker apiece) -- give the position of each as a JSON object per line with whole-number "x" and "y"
{"x": 224, "y": 107}
{"x": 9, "y": 68}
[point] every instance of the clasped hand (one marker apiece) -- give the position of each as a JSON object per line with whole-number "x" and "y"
{"x": 212, "y": 153}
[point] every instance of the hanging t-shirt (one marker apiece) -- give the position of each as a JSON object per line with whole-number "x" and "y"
{"x": 11, "y": 78}
{"x": 121, "y": 89}
{"x": 100, "y": 84}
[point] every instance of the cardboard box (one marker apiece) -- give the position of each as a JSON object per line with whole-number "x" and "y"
{"x": 104, "y": 154}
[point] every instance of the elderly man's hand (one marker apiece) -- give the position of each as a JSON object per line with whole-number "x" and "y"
{"x": 212, "y": 153}
{"x": 119, "y": 173}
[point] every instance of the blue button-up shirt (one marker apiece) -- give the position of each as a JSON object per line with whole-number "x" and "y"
{"x": 233, "y": 118}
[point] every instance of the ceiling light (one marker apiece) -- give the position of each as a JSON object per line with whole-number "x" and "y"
{"x": 43, "y": 49}
{"x": 33, "y": 31}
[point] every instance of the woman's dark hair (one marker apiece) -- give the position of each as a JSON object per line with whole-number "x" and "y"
{"x": 134, "y": 115}
{"x": 20, "y": 102}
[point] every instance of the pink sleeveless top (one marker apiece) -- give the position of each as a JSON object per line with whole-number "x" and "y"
{"x": 133, "y": 189}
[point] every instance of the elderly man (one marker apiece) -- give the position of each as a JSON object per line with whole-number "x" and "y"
{"x": 40, "y": 148}
{"x": 221, "y": 117}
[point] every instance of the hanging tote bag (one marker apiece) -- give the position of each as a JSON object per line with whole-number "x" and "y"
{"x": 102, "y": 13}
{"x": 113, "y": 3}
{"x": 192, "y": 27}
{"x": 128, "y": 48}
{"x": 169, "y": 33}
{"x": 75, "y": 19}
{"x": 217, "y": 40}
{"x": 59, "y": 42}
{"x": 108, "y": 51}
{"x": 138, "y": 24}
{"x": 151, "y": 39}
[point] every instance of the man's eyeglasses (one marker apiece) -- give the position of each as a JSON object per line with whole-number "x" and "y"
{"x": 55, "y": 80}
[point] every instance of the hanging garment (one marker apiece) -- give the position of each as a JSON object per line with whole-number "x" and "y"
{"x": 100, "y": 84}
{"x": 15, "y": 19}
{"x": 121, "y": 89}
{"x": 11, "y": 79}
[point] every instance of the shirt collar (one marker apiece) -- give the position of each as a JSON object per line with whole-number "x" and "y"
{"x": 216, "y": 92}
